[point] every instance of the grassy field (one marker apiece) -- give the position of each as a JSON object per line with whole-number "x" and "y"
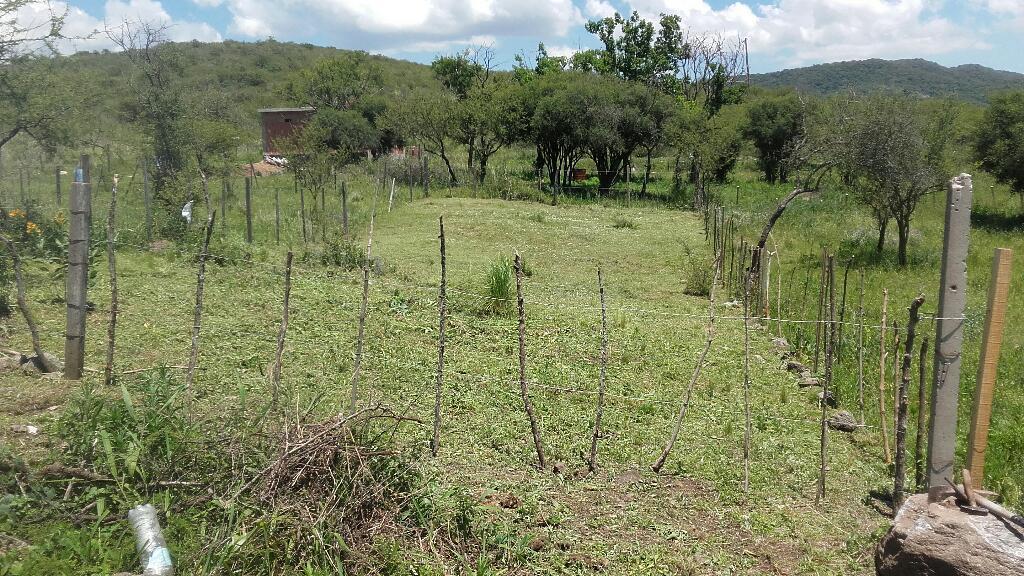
{"x": 692, "y": 518}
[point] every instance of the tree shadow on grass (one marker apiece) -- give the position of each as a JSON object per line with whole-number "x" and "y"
{"x": 987, "y": 219}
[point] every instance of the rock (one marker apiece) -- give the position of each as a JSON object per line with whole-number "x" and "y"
{"x": 795, "y": 367}
{"x": 828, "y": 398}
{"x": 10, "y": 362}
{"x": 842, "y": 421}
{"x": 809, "y": 381}
{"x": 52, "y": 360}
{"x": 938, "y": 540}
{"x": 558, "y": 468}
{"x": 25, "y": 429}
{"x": 780, "y": 343}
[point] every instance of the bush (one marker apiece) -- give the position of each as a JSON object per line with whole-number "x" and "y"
{"x": 623, "y": 222}
{"x": 698, "y": 276}
{"x": 499, "y": 285}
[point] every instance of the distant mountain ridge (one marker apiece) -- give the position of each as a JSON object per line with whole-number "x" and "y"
{"x": 971, "y": 82}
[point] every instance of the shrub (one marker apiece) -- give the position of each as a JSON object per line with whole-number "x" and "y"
{"x": 698, "y": 277}
{"x": 622, "y": 222}
{"x": 499, "y": 285}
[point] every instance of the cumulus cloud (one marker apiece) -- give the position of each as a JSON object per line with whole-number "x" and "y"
{"x": 598, "y": 9}
{"x": 798, "y": 32}
{"x": 85, "y": 31}
{"x": 1011, "y": 10}
{"x": 400, "y": 25}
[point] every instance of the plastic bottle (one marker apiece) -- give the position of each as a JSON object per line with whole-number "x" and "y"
{"x": 149, "y": 541}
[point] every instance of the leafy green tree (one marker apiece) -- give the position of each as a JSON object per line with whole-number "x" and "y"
{"x": 774, "y": 124}
{"x": 897, "y": 150}
{"x": 461, "y": 72}
{"x": 708, "y": 145}
{"x": 429, "y": 118}
{"x": 999, "y": 140}
{"x": 495, "y": 115}
{"x": 554, "y": 110}
{"x": 341, "y": 82}
{"x": 634, "y": 50}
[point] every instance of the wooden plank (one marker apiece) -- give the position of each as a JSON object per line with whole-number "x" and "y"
{"x": 991, "y": 343}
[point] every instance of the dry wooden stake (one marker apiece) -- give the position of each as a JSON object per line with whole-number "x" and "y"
{"x": 882, "y": 426}
{"x": 57, "y": 176}
{"x": 746, "y": 384}
{"x": 282, "y": 331}
{"x": 527, "y": 404}
{"x": 827, "y": 383}
{"x": 108, "y": 369}
{"x": 223, "y": 202}
{"x": 922, "y": 418}
{"x": 391, "y": 195}
{"x": 442, "y": 321}
{"x": 860, "y": 349}
{"x": 302, "y": 208}
{"x": 344, "y": 210}
{"x": 277, "y": 214}
{"x": 248, "y": 210}
{"x": 601, "y": 379}
{"x": 900, "y": 470}
{"x": 842, "y": 313}
{"x": 362, "y": 312}
{"x": 820, "y": 312}
{"x": 895, "y": 371}
{"x": 660, "y": 462}
{"x": 197, "y": 319}
{"x": 148, "y": 200}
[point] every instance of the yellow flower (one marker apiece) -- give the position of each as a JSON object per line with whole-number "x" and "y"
{"x": 16, "y": 213}
{"x": 31, "y": 228}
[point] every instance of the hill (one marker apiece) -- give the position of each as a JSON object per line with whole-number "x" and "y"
{"x": 970, "y": 82}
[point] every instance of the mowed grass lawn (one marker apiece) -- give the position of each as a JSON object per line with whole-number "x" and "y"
{"x": 626, "y": 519}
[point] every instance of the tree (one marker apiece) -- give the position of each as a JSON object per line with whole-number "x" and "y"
{"x": 428, "y": 117}
{"x": 32, "y": 102}
{"x": 341, "y": 83}
{"x": 897, "y": 151}
{"x": 774, "y": 125}
{"x": 999, "y": 140}
{"x": 555, "y": 128}
{"x": 711, "y": 144}
{"x": 496, "y": 116}
{"x": 634, "y": 51}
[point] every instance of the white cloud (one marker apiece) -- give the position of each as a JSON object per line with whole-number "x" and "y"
{"x": 599, "y": 9}
{"x": 1012, "y": 10}
{"x": 401, "y": 25}
{"x": 561, "y": 50}
{"x": 798, "y": 32}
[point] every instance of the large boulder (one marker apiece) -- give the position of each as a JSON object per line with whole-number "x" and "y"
{"x": 939, "y": 539}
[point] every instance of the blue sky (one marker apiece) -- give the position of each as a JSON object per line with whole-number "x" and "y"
{"x": 781, "y": 33}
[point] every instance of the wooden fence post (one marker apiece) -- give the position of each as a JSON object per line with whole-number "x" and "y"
{"x": 56, "y": 174}
{"x": 282, "y": 331}
{"x": 602, "y": 377}
{"x": 523, "y": 389}
{"x": 344, "y": 209}
{"x": 77, "y": 281}
{"x": 900, "y": 470}
{"x": 248, "y": 210}
{"x": 197, "y": 318}
{"x": 922, "y": 419}
{"x": 991, "y": 343}
{"x": 108, "y": 369}
{"x": 223, "y": 203}
{"x": 829, "y": 296}
{"x": 882, "y": 426}
{"x": 147, "y": 199}
{"x": 442, "y": 320}
{"x": 949, "y": 337}
{"x": 277, "y": 214}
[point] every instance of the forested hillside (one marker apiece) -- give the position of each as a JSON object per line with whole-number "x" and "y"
{"x": 969, "y": 82}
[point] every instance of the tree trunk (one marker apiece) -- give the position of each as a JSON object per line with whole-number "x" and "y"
{"x": 883, "y": 223}
{"x": 647, "y": 174}
{"x": 903, "y": 230}
{"x": 448, "y": 164}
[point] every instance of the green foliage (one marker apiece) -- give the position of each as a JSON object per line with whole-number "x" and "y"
{"x": 499, "y": 285}
{"x": 621, "y": 222}
{"x": 143, "y": 435}
{"x": 969, "y": 82}
{"x": 341, "y": 82}
{"x": 461, "y": 72}
{"x": 637, "y": 51}
{"x": 999, "y": 143}
{"x": 774, "y": 125}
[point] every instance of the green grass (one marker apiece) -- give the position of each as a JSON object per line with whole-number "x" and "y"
{"x": 693, "y": 518}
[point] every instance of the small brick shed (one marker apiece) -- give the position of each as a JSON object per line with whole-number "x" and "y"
{"x": 281, "y": 123}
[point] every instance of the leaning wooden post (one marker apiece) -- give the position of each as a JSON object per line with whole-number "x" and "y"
{"x": 344, "y": 209}
{"x": 391, "y": 196}
{"x": 900, "y": 470}
{"x": 426, "y": 176}
{"x": 830, "y": 343}
{"x": 949, "y": 337}
{"x": 820, "y": 313}
{"x": 602, "y": 376}
{"x": 77, "y": 281}
{"x": 922, "y": 419}
{"x": 302, "y": 208}
{"x": 275, "y": 392}
{"x": 685, "y": 406}
{"x": 524, "y": 391}
{"x": 882, "y": 426}
{"x": 197, "y": 317}
{"x": 747, "y": 281}
{"x": 223, "y": 203}
{"x": 147, "y": 200}
{"x": 442, "y": 321}
{"x": 364, "y": 306}
{"x": 248, "y": 210}
{"x": 108, "y": 369}
{"x": 991, "y": 343}
{"x": 19, "y": 280}
{"x": 56, "y": 173}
